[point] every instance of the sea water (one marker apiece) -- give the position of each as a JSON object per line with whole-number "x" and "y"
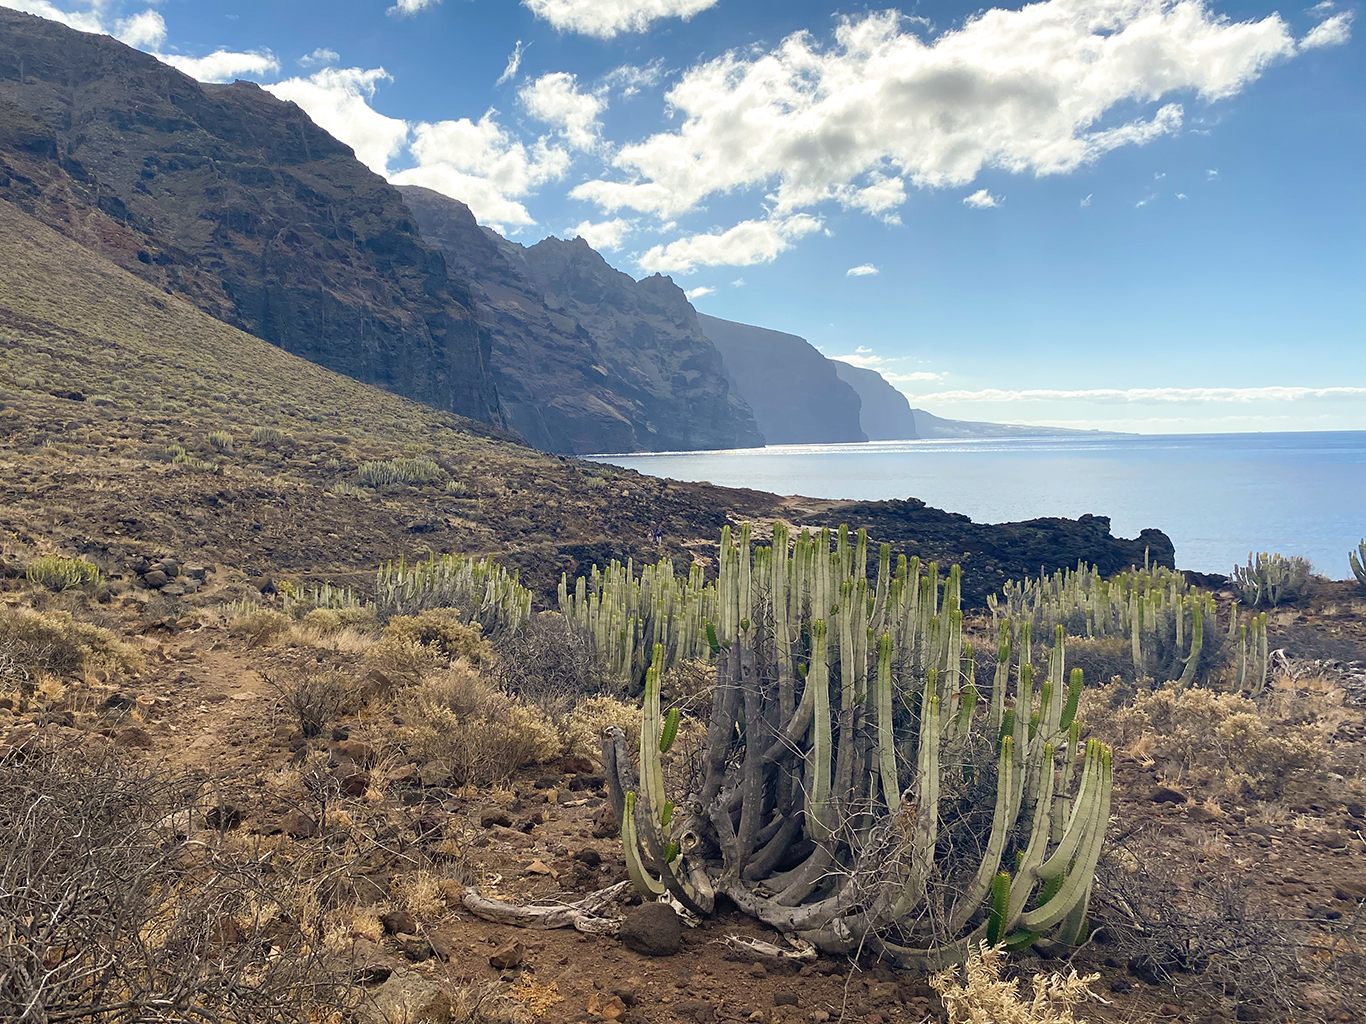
{"x": 1218, "y": 496}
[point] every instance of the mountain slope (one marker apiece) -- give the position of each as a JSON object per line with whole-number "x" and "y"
{"x": 651, "y": 350}
{"x": 793, "y": 389}
{"x": 237, "y": 201}
{"x": 885, "y": 415}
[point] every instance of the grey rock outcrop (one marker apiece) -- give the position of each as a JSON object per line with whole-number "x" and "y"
{"x": 795, "y": 392}
{"x": 586, "y": 358}
{"x": 886, "y": 415}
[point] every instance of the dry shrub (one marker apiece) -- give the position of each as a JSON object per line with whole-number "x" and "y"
{"x": 107, "y": 918}
{"x": 421, "y": 894}
{"x": 550, "y": 662}
{"x": 1102, "y": 658}
{"x": 1206, "y": 736}
{"x": 584, "y": 733}
{"x": 981, "y": 997}
{"x": 263, "y": 627}
{"x": 444, "y": 633}
{"x": 463, "y": 725}
{"x": 316, "y": 696}
{"x": 329, "y": 621}
{"x": 54, "y": 642}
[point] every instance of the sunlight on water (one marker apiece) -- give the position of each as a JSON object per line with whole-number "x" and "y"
{"x": 1216, "y": 495}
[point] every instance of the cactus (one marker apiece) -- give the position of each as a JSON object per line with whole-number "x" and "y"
{"x": 480, "y": 588}
{"x": 846, "y": 709}
{"x": 1358, "y": 563}
{"x": 1269, "y": 579}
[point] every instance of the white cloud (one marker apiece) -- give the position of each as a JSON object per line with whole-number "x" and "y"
{"x": 699, "y": 293}
{"x": 144, "y": 31}
{"x": 749, "y": 242}
{"x": 1211, "y": 174}
{"x": 338, "y": 101}
{"x": 555, "y": 99}
{"x": 630, "y": 79}
{"x": 608, "y": 18}
{"x": 406, "y": 7}
{"x": 514, "y": 63}
{"x": 1155, "y": 396}
{"x": 607, "y": 234}
{"x": 982, "y": 200}
{"x": 1333, "y": 32}
{"x": 1087, "y": 201}
{"x": 222, "y": 65}
{"x": 862, "y": 270}
{"x": 1027, "y": 91}
{"x": 319, "y": 56}
{"x": 739, "y": 282}
{"x": 906, "y": 378}
{"x": 482, "y": 165}
{"x": 1182, "y": 195}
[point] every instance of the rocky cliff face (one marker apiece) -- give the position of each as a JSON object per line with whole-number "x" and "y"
{"x": 794, "y": 391}
{"x": 238, "y": 202}
{"x": 886, "y": 414}
{"x": 587, "y": 359}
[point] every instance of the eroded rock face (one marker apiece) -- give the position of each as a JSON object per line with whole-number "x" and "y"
{"x": 238, "y": 202}
{"x": 587, "y": 359}
{"x": 795, "y": 393}
{"x": 886, "y": 414}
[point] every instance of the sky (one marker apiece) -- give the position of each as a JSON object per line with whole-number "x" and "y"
{"x": 1138, "y": 215}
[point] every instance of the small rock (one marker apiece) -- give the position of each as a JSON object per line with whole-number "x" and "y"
{"x": 613, "y": 1008}
{"x": 367, "y": 963}
{"x": 398, "y": 922}
{"x": 353, "y": 782}
{"x": 626, "y": 993}
{"x": 1167, "y": 795}
{"x": 134, "y": 737}
{"x": 298, "y": 825}
{"x": 605, "y": 823}
{"x": 156, "y": 579}
{"x": 407, "y": 996}
{"x": 758, "y": 971}
{"x": 1169, "y": 1010}
{"x": 417, "y": 949}
{"x": 786, "y": 999}
{"x": 507, "y": 955}
{"x": 819, "y": 1017}
{"x": 1350, "y": 891}
{"x": 1121, "y": 986}
{"x": 546, "y": 782}
{"x": 361, "y": 753}
{"x": 589, "y": 857}
{"x": 652, "y": 929}
{"x": 698, "y": 1010}
{"x": 491, "y": 818}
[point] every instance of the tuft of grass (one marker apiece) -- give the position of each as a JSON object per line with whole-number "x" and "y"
{"x": 267, "y": 435}
{"x": 58, "y": 573}
{"x": 221, "y": 440}
{"x": 982, "y": 996}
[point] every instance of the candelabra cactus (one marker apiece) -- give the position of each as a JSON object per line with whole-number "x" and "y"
{"x": 846, "y": 724}
{"x": 1358, "y": 563}
{"x": 481, "y": 588}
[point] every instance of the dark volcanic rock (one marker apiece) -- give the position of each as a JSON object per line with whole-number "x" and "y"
{"x": 238, "y": 202}
{"x": 795, "y": 393}
{"x": 886, "y": 413}
{"x": 993, "y": 553}
{"x": 652, "y": 929}
{"x": 587, "y": 359}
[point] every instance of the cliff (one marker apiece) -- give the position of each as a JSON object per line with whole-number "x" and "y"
{"x": 238, "y": 202}
{"x": 794, "y": 391}
{"x": 886, "y": 414}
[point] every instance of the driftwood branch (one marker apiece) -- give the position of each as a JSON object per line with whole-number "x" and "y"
{"x": 587, "y": 915}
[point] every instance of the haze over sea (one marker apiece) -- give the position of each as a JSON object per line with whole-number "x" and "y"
{"x": 1218, "y": 496}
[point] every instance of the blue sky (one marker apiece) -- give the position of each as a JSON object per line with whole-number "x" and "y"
{"x": 1127, "y": 214}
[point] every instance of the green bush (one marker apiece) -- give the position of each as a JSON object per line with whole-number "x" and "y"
{"x": 58, "y": 573}
{"x": 267, "y": 435}
{"x": 401, "y": 473}
{"x": 221, "y": 440}
{"x": 55, "y": 642}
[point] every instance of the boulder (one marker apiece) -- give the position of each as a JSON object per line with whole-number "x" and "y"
{"x": 408, "y": 998}
{"x": 652, "y": 929}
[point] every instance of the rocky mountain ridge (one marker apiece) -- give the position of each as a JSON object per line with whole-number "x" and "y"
{"x": 238, "y": 202}
{"x": 587, "y": 359}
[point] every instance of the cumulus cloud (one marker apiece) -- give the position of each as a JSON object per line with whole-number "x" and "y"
{"x": 513, "y": 65}
{"x": 555, "y": 99}
{"x": 144, "y": 31}
{"x": 906, "y": 378}
{"x": 223, "y": 65}
{"x": 607, "y": 234}
{"x": 981, "y": 200}
{"x": 484, "y": 166}
{"x": 699, "y": 293}
{"x": 82, "y": 21}
{"x": 319, "y": 56}
{"x": 862, "y": 270}
{"x": 406, "y": 7}
{"x": 880, "y": 109}
{"x": 629, "y": 79}
{"x": 608, "y": 18}
{"x": 749, "y": 242}
{"x": 1160, "y": 396}
{"x": 1333, "y": 32}
{"x": 338, "y": 101}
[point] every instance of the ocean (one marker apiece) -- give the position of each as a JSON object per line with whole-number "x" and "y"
{"x": 1218, "y": 496}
